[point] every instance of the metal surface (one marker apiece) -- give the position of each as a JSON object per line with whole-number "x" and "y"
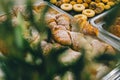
{"x": 104, "y": 35}
{"x": 55, "y": 8}
{"x": 109, "y": 38}
{"x": 113, "y": 75}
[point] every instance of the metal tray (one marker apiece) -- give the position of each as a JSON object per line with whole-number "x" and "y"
{"x": 109, "y": 38}
{"x": 113, "y": 75}
{"x": 53, "y": 7}
{"x": 45, "y": 3}
{"x": 104, "y": 35}
{"x": 97, "y": 22}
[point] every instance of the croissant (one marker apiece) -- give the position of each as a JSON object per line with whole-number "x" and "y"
{"x": 86, "y": 27}
{"x": 62, "y": 34}
{"x": 76, "y": 40}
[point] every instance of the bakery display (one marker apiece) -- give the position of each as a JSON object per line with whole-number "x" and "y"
{"x": 79, "y": 44}
{"x": 98, "y": 6}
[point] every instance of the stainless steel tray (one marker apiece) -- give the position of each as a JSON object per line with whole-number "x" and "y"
{"x": 113, "y": 75}
{"x": 53, "y": 7}
{"x": 104, "y": 35}
{"x": 109, "y": 38}
{"x": 43, "y": 2}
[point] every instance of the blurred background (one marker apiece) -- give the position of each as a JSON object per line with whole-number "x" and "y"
{"x": 21, "y": 59}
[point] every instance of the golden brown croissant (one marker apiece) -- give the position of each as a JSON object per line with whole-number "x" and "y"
{"x": 86, "y": 27}
{"x": 76, "y": 40}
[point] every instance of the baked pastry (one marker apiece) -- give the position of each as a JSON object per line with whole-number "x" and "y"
{"x": 66, "y": 6}
{"x": 88, "y": 12}
{"x": 80, "y": 16}
{"x": 78, "y": 7}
